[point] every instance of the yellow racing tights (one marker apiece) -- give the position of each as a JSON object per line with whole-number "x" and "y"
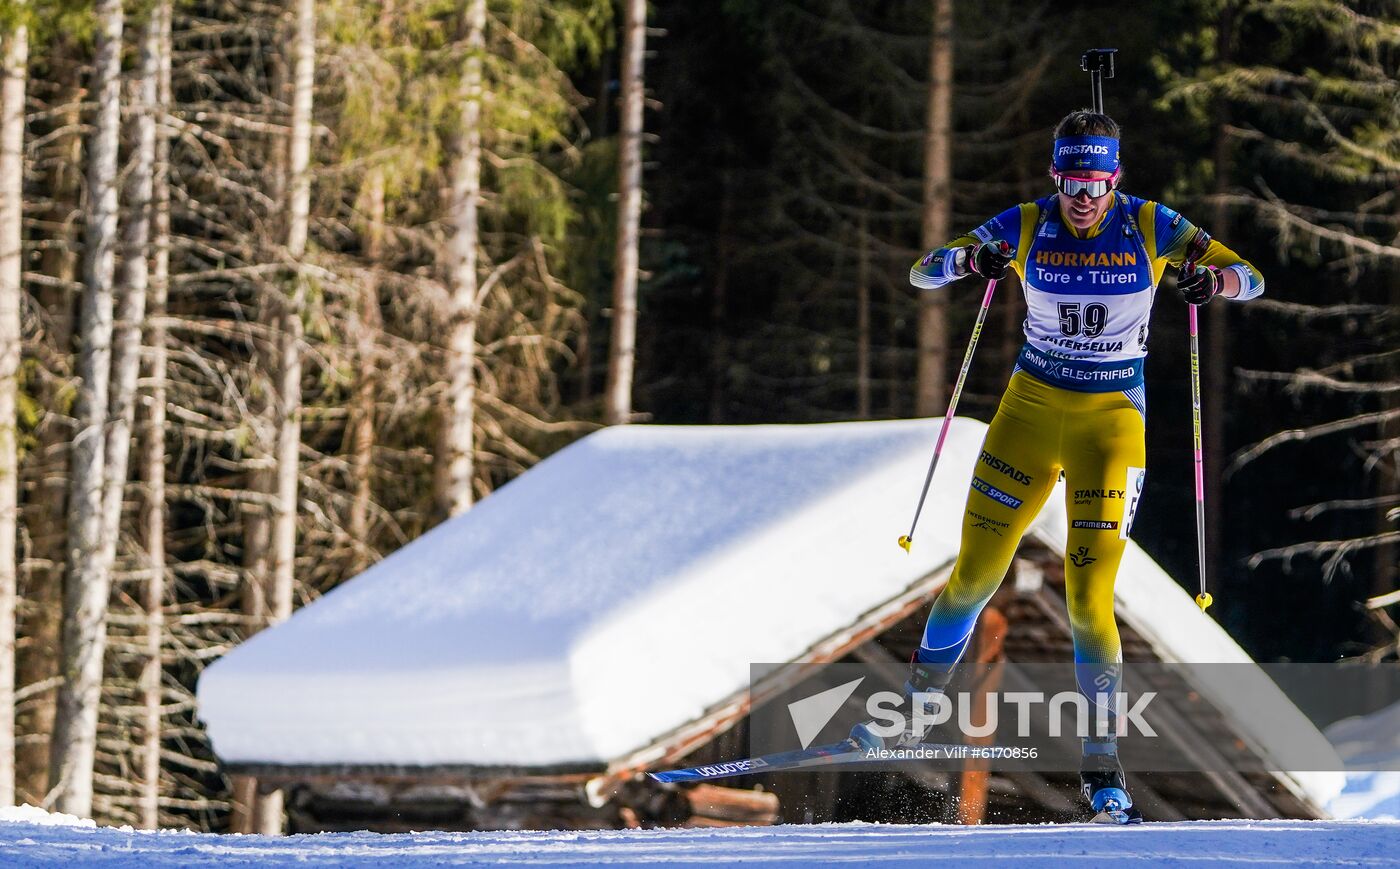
{"x": 1096, "y": 439}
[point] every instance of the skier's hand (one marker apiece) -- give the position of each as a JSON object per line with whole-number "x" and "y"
{"x": 989, "y": 260}
{"x": 1199, "y": 284}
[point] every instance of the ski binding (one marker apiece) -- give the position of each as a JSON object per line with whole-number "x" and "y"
{"x": 1114, "y": 806}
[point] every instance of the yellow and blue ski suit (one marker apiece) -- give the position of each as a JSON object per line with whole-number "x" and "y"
{"x": 1076, "y": 403}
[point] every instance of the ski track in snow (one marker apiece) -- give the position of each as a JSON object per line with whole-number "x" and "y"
{"x": 1217, "y": 843}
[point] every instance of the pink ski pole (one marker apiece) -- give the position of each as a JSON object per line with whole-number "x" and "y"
{"x": 1203, "y": 599}
{"x": 907, "y": 540}
{"x": 1195, "y": 250}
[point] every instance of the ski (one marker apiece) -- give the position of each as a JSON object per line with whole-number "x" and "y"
{"x": 845, "y": 751}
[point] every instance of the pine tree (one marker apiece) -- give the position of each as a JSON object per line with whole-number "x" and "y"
{"x": 74, "y": 745}
{"x": 623, "y": 348}
{"x": 1304, "y": 94}
{"x": 14, "y": 69}
{"x": 830, "y": 193}
{"x": 464, "y": 300}
{"x": 155, "y": 97}
{"x": 57, "y": 84}
{"x": 930, "y": 387}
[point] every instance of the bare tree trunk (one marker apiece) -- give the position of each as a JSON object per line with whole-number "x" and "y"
{"x": 863, "y": 316}
{"x": 1388, "y": 468}
{"x": 1012, "y": 300}
{"x": 362, "y": 410}
{"x": 16, "y": 60}
{"x": 931, "y": 385}
{"x": 719, "y": 300}
{"x": 299, "y": 146}
{"x": 455, "y": 490}
{"x": 47, "y": 510}
{"x": 584, "y": 362}
{"x": 257, "y": 544}
{"x": 74, "y": 745}
{"x": 155, "y": 53}
{"x": 289, "y": 338}
{"x": 1215, "y": 385}
{"x": 623, "y": 351}
{"x": 133, "y": 278}
{"x": 243, "y": 804}
{"x": 895, "y": 376}
{"x": 602, "y": 102}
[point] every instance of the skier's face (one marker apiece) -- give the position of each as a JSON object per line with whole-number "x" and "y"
{"x": 1083, "y": 211}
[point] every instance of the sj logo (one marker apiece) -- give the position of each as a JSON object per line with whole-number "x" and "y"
{"x": 1082, "y": 558}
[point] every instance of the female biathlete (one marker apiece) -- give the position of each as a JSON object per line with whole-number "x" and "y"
{"x": 1089, "y": 258}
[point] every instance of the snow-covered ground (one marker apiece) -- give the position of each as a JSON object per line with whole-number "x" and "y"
{"x": 33, "y": 838}
{"x": 1370, "y": 745}
{"x": 1368, "y": 794}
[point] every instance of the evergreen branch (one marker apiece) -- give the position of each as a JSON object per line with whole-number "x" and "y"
{"x": 1312, "y": 511}
{"x": 1303, "y": 378}
{"x": 1335, "y": 551}
{"x": 1291, "y": 216}
{"x": 1390, "y": 164}
{"x": 1297, "y": 435}
{"x": 1319, "y": 312}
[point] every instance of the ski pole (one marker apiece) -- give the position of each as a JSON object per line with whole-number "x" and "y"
{"x": 907, "y": 540}
{"x": 1195, "y": 250}
{"x": 1203, "y": 599}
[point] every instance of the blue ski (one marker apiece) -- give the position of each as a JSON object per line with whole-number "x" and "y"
{"x": 845, "y": 751}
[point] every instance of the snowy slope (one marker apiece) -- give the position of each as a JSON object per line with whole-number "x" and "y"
{"x": 1212, "y": 843}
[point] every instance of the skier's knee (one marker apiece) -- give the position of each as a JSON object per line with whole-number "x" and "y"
{"x": 1089, "y": 602}
{"x": 1094, "y": 626}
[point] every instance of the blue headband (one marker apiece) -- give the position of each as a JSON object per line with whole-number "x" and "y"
{"x": 1092, "y": 153}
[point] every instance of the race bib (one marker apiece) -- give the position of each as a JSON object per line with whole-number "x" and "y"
{"x": 1133, "y": 488}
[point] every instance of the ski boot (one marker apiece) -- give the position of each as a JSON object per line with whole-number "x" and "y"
{"x": 1104, "y": 786}
{"x": 923, "y": 678}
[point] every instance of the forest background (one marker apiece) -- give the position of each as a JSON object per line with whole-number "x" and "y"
{"x": 283, "y": 285}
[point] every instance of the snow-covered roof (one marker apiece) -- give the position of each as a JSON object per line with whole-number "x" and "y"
{"x": 619, "y": 589}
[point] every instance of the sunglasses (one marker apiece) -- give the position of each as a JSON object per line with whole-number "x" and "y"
{"x": 1072, "y": 186}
